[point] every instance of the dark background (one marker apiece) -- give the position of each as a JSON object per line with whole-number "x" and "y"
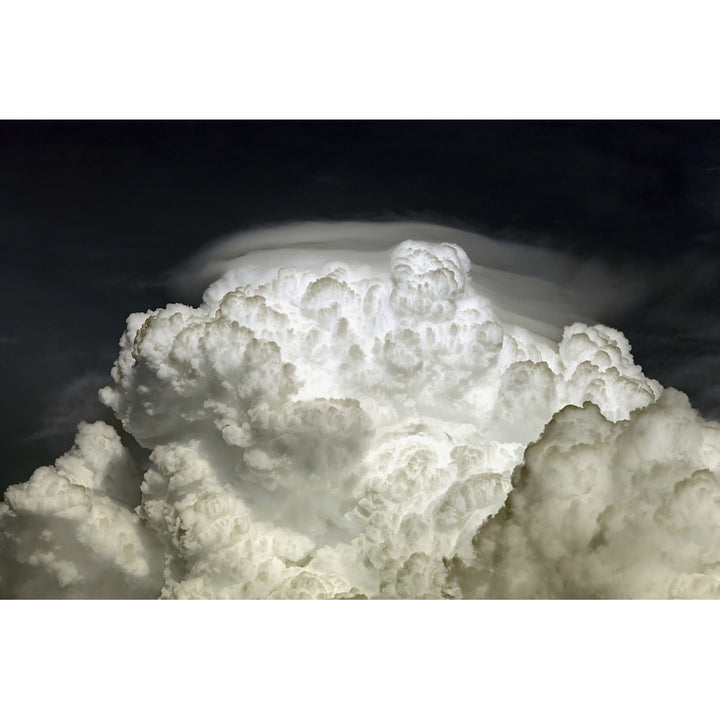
{"x": 94, "y": 214}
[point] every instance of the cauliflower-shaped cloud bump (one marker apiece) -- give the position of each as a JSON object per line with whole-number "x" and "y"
{"x": 345, "y": 428}
{"x": 603, "y": 509}
{"x": 71, "y": 530}
{"x": 427, "y": 277}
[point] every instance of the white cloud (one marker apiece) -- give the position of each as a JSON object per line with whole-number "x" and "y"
{"x": 627, "y": 509}
{"x": 341, "y": 424}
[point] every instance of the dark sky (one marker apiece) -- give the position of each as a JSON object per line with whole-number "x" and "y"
{"x": 92, "y": 214}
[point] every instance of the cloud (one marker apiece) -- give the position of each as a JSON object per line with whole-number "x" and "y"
{"x": 528, "y": 285}
{"x": 70, "y": 531}
{"x": 341, "y": 423}
{"x": 627, "y": 509}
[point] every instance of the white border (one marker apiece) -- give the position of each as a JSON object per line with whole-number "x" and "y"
{"x": 389, "y": 59}
{"x": 359, "y": 659}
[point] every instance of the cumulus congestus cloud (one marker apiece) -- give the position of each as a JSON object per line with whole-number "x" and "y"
{"x": 370, "y": 425}
{"x": 602, "y": 509}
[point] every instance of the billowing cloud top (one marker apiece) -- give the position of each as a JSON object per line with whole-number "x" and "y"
{"x": 370, "y": 425}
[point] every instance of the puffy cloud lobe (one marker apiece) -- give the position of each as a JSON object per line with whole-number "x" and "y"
{"x": 340, "y": 429}
{"x": 70, "y": 530}
{"x": 627, "y": 509}
{"x": 427, "y": 278}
